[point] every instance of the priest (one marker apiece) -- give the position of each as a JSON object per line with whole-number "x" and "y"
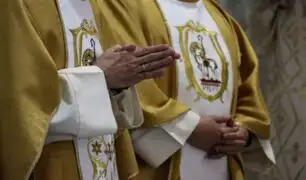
{"x": 62, "y": 97}
{"x": 207, "y": 111}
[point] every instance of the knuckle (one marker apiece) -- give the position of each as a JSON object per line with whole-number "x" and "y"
{"x": 151, "y": 57}
{"x": 130, "y": 66}
{"x": 136, "y": 68}
{"x": 124, "y": 54}
{"x": 155, "y": 65}
{"x": 144, "y": 51}
{"x": 120, "y": 56}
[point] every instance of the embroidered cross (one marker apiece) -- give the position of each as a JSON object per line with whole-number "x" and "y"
{"x": 96, "y": 148}
{"x": 109, "y": 151}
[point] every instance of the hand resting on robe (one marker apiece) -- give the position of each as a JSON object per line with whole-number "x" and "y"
{"x": 209, "y": 132}
{"x": 232, "y": 142}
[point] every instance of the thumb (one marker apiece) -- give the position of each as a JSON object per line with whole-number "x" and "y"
{"x": 230, "y": 122}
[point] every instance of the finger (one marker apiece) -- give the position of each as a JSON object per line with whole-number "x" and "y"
{"x": 221, "y": 119}
{"x": 238, "y": 142}
{"x": 233, "y": 136}
{"x": 151, "y": 49}
{"x": 149, "y": 75}
{"x": 176, "y": 55}
{"x": 155, "y": 65}
{"x": 128, "y": 48}
{"x": 226, "y": 130}
{"x": 154, "y": 57}
{"x": 230, "y": 122}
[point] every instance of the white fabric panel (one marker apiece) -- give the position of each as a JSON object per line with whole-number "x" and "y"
{"x": 85, "y": 109}
{"x": 128, "y": 112}
{"x": 156, "y": 145}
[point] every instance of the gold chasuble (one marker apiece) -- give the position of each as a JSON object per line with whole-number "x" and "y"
{"x": 220, "y": 70}
{"x": 40, "y": 40}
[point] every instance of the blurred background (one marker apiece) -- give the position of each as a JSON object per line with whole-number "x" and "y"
{"x": 277, "y": 30}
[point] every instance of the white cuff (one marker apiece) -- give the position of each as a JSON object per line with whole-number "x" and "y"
{"x": 156, "y": 145}
{"x": 182, "y": 128}
{"x": 127, "y": 109}
{"x": 258, "y": 157}
{"x": 85, "y": 109}
{"x": 267, "y": 148}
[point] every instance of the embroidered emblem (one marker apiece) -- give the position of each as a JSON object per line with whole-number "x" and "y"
{"x": 84, "y": 36}
{"x": 102, "y": 156}
{"x": 193, "y": 39}
{"x": 96, "y": 148}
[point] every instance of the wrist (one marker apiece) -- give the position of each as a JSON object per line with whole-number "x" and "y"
{"x": 117, "y": 91}
{"x": 249, "y": 138}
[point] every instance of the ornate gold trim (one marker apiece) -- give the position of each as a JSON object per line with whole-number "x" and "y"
{"x": 104, "y": 147}
{"x": 87, "y": 28}
{"x": 196, "y": 27}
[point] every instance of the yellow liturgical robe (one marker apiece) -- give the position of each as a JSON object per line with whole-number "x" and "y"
{"x": 33, "y": 49}
{"x": 159, "y": 97}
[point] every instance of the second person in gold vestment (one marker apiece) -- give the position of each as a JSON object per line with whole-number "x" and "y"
{"x": 207, "y": 112}
{"x": 63, "y": 97}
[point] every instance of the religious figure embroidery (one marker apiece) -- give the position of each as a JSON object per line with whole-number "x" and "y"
{"x": 84, "y": 42}
{"x": 193, "y": 38}
{"x": 102, "y": 155}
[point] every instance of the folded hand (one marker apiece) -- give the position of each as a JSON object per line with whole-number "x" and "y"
{"x": 232, "y": 143}
{"x": 127, "y": 65}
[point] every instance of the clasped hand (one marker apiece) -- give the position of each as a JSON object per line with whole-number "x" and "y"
{"x": 219, "y": 136}
{"x": 127, "y": 65}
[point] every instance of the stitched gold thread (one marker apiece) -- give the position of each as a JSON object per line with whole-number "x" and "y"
{"x": 195, "y": 27}
{"x": 87, "y": 28}
{"x": 100, "y": 152}
{"x": 95, "y": 147}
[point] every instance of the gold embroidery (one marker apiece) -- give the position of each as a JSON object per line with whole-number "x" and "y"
{"x": 86, "y": 30}
{"x": 214, "y": 80}
{"x": 96, "y": 148}
{"x": 100, "y": 149}
{"x": 100, "y": 161}
{"x": 109, "y": 151}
